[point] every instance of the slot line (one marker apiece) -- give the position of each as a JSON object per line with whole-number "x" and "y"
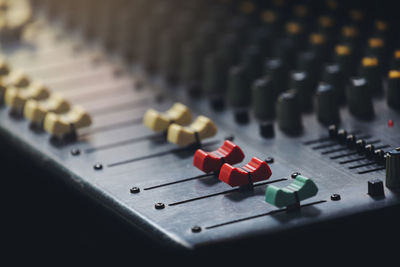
{"x": 260, "y": 215}
{"x": 160, "y": 154}
{"x": 120, "y": 107}
{"x": 352, "y": 160}
{"x": 311, "y": 142}
{"x": 181, "y": 181}
{"x": 223, "y": 192}
{"x": 110, "y": 127}
{"x": 124, "y": 142}
{"x": 362, "y": 165}
{"x": 372, "y": 170}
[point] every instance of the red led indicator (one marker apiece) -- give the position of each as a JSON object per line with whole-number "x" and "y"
{"x": 391, "y": 123}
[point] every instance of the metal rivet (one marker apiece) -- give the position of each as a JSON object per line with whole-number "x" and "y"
{"x": 335, "y": 197}
{"x": 159, "y": 206}
{"x": 135, "y": 190}
{"x": 295, "y": 174}
{"x": 196, "y": 229}
{"x": 139, "y": 85}
{"x": 269, "y": 160}
{"x": 98, "y": 166}
{"x": 75, "y": 152}
{"x": 230, "y": 137}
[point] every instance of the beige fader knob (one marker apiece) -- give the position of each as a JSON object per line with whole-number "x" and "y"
{"x": 4, "y": 67}
{"x": 16, "y": 98}
{"x": 16, "y": 78}
{"x": 200, "y": 129}
{"x": 36, "y": 111}
{"x": 159, "y": 122}
{"x": 67, "y": 123}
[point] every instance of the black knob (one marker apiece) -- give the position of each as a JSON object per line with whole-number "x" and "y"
{"x": 327, "y": 107}
{"x": 263, "y": 99}
{"x": 289, "y": 113}
{"x": 334, "y": 75}
{"x": 393, "y": 168}
{"x": 359, "y": 99}
{"x": 238, "y": 87}
{"x": 345, "y": 59}
{"x": 370, "y": 69}
{"x": 301, "y": 82}
{"x": 393, "y": 89}
{"x": 278, "y": 72}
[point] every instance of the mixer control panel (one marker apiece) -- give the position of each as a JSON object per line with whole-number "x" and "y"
{"x": 203, "y": 122}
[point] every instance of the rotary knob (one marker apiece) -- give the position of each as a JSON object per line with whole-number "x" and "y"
{"x": 289, "y": 113}
{"x": 393, "y": 168}
{"x": 359, "y": 99}
{"x": 393, "y": 92}
{"x": 263, "y": 101}
{"x": 327, "y": 107}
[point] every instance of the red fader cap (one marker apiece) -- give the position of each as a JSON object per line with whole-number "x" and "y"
{"x": 254, "y": 171}
{"x": 213, "y": 161}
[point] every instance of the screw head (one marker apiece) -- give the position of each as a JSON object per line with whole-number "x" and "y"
{"x": 269, "y": 160}
{"x": 98, "y": 166}
{"x": 135, "y": 190}
{"x": 196, "y": 229}
{"x": 75, "y": 152}
{"x": 335, "y": 197}
{"x": 230, "y": 137}
{"x": 159, "y": 206}
{"x": 295, "y": 174}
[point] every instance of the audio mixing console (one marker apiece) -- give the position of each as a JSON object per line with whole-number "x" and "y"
{"x": 205, "y": 122}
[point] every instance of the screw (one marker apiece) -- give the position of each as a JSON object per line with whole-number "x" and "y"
{"x": 159, "y": 206}
{"x": 98, "y": 166}
{"x": 75, "y": 152}
{"x": 230, "y": 137}
{"x": 269, "y": 160}
{"x": 335, "y": 197}
{"x": 135, "y": 190}
{"x": 196, "y": 229}
{"x": 139, "y": 85}
{"x": 295, "y": 174}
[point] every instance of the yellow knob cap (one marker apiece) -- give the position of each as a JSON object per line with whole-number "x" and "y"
{"x": 394, "y": 74}
{"x": 16, "y": 98}
{"x": 325, "y": 21}
{"x": 159, "y": 122}
{"x": 342, "y": 50}
{"x": 376, "y": 42}
{"x": 370, "y": 62}
{"x": 381, "y": 25}
{"x": 349, "y": 31}
{"x": 36, "y": 111}
{"x": 397, "y": 54}
{"x": 200, "y": 129}
{"x": 268, "y": 16}
{"x": 317, "y": 38}
{"x": 63, "y": 124}
{"x": 247, "y": 7}
{"x": 293, "y": 28}
{"x": 300, "y": 11}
